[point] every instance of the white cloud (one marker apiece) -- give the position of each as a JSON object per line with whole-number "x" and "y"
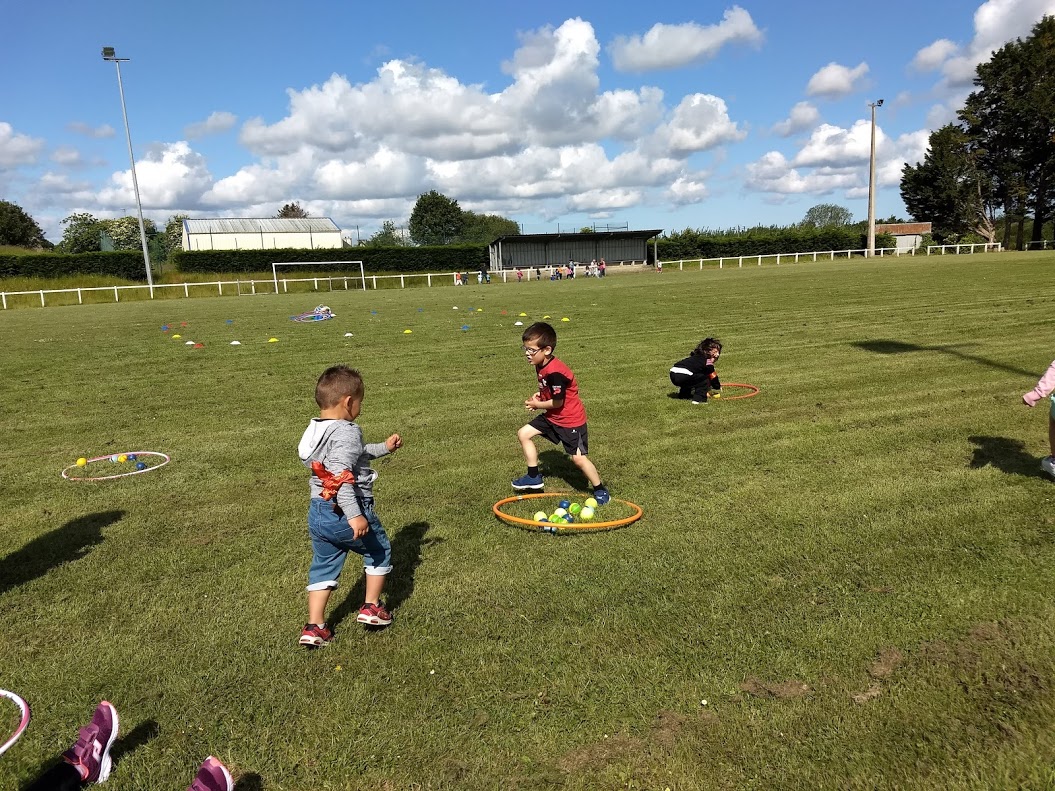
{"x": 67, "y": 156}
{"x": 833, "y": 146}
{"x": 699, "y": 122}
{"x": 803, "y": 115}
{"x": 17, "y": 149}
{"x": 170, "y": 175}
{"x": 996, "y": 22}
{"x": 601, "y": 200}
{"x": 933, "y": 55}
{"x": 687, "y": 189}
{"x": 672, "y": 46}
{"x": 217, "y": 122}
{"x": 82, "y": 128}
{"x": 835, "y": 80}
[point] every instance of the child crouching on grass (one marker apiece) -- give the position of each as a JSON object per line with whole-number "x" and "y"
{"x": 1045, "y": 387}
{"x": 341, "y": 516}
{"x": 695, "y": 375}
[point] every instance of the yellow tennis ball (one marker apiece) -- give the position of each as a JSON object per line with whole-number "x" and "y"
{"x": 122, "y": 458}
{"x": 589, "y": 502}
{"x": 561, "y": 512}
{"x": 540, "y": 516}
{"x": 81, "y": 461}
{"x": 586, "y": 514}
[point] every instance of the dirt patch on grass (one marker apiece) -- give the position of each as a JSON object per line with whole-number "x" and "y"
{"x": 873, "y": 692}
{"x": 782, "y": 690}
{"x": 886, "y": 663}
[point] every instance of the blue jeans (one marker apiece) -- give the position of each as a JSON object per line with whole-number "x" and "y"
{"x": 332, "y": 540}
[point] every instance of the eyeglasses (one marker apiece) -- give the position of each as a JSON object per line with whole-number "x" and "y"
{"x": 529, "y": 351}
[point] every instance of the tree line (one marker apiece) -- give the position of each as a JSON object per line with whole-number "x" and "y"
{"x": 992, "y": 171}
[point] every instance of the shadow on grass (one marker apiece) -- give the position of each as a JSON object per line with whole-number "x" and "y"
{"x": 407, "y": 546}
{"x": 51, "y": 550}
{"x": 250, "y": 782}
{"x": 556, "y": 464}
{"x": 900, "y": 347}
{"x": 1007, "y": 455}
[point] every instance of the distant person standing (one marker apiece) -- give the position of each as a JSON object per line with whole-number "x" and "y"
{"x": 601, "y": 268}
{"x": 538, "y": 273}
{"x": 520, "y": 276}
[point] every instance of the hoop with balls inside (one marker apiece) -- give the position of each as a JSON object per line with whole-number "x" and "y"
{"x": 135, "y": 458}
{"x": 577, "y": 526}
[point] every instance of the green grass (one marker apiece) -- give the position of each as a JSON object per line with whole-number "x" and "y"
{"x": 873, "y": 524}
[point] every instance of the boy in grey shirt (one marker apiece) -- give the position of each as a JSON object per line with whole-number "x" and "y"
{"x": 341, "y": 516}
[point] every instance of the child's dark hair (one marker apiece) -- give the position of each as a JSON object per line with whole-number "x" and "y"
{"x": 707, "y": 347}
{"x": 542, "y": 333}
{"x": 335, "y": 383}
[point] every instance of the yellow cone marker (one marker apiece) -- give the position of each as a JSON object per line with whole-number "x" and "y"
{"x": 272, "y": 340}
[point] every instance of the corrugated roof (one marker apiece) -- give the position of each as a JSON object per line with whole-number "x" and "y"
{"x": 262, "y": 225}
{"x": 550, "y": 237}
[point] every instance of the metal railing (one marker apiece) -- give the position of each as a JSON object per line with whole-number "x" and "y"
{"x": 831, "y": 255}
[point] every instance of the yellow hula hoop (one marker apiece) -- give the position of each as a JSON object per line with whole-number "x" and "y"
{"x": 574, "y": 527}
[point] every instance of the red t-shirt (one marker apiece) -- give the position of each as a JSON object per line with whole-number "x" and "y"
{"x": 555, "y": 380}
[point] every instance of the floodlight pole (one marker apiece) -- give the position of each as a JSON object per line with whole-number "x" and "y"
{"x": 108, "y": 54}
{"x": 871, "y": 251}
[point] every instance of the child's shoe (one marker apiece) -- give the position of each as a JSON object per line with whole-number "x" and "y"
{"x": 528, "y": 482}
{"x": 601, "y": 496}
{"x": 374, "y": 615}
{"x": 315, "y": 636}
{"x": 90, "y": 754}
{"x": 212, "y": 776}
{"x": 1047, "y": 465}
{"x": 697, "y": 403}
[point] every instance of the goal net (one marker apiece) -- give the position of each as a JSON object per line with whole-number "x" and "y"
{"x": 341, "y": 280}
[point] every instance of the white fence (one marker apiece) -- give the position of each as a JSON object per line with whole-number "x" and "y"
{"x": 831, "y": 255}
{"x": 281, "y": 285}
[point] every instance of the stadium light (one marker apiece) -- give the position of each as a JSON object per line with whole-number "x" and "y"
{"x": 110, "y": 55}
{"x": 870, "y": 253}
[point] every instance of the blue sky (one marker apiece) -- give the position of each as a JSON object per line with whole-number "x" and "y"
{"x": 658, "y": 115}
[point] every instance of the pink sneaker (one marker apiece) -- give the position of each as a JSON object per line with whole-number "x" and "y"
{"x": 90, "y": 754}
{"x": 374, "y": 615}
{"x": 212, "y": 776}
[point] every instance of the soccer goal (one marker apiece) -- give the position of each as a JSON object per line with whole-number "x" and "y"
{"x": 318, "y": 265}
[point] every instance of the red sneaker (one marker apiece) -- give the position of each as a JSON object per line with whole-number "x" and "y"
{"x": 315, "y": 636}
{"x": 212, "y": 776}
{"x": 374, "y": 615}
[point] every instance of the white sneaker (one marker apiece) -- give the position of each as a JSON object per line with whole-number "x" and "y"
{"x": 1047, "y": 465}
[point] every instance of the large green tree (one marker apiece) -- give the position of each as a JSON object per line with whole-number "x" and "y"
{"x": 948, "y": 189}
{"x": 173, "y": 236}
{"x": 485, "y": 228}
{"x": 293, "y": 210}
{"x": 827, "y": 215}
{"x": 81, "y": 234}
{"x": 19, "y": 229}
{"x": 124, "y": 232}
{"x": 436, "y": 219}
{"x": 387, "y": 236}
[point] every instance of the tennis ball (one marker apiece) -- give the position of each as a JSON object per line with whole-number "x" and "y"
{"x": 122, "y": 458}
{"x": 131, "y": 457}
{"x": 589, "y": 502}
{"x": 574, "y": 508}
{"x": 540, "y": 516}
{"x": 569, "y": 519}
{"x": 114, "y": 458}
{"x": 586, "y": 514}
{"x": 557, "y": 519}
{"x": 141, "y": 465}
{"x": 564, "y": 504}
{"x": 81, "y": 461}
{"x": 561, "y": 511}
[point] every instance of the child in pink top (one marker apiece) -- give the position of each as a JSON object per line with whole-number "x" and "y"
{"x": 1045, "y": 387}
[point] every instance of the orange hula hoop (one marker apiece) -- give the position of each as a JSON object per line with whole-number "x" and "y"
{"x": 574, "y": 527}
{"x": 753, "y": 391}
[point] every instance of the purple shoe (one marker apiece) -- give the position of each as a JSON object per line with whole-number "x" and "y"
{"x": 212, "y": 776}
{"x": 90, "y": 754}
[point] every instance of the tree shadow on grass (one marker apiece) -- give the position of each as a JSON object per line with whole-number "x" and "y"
{"x": 63, "y": 544}
{"x": 559, "y": 465}
{"x": 882, "y": 346}
{"x": 407, "y": 546}
{"x": 1007, "y": 455}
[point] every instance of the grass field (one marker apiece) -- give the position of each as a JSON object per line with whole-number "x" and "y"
{"x": 843, "y": 583}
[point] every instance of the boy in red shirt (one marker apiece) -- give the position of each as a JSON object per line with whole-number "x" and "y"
{"x": 564, "y": 418}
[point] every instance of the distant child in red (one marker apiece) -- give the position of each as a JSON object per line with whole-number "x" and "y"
{"x": 520, "y": 276}
{"x": 564, "y": 418}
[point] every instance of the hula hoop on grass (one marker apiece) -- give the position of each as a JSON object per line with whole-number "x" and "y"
{"x": 752, "y": 391}
{"x": 136, "y": 453}
{"x": 23, "y": 721}
{"x": 574, "y": 527}
{"x": 308, "y": 317}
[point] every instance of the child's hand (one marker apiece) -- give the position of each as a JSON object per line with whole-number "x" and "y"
{"x": 533, "y": 403}
{"x": 394, "y": 443}
{"x": 359, "y": 526}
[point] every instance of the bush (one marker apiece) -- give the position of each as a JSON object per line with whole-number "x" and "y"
{"x": 125, "y": 264}
{"x": 446, "y": 258}
{"x": 690, "y": 243}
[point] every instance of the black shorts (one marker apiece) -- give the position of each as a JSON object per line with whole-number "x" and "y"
{"x": 573, "y": 439}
